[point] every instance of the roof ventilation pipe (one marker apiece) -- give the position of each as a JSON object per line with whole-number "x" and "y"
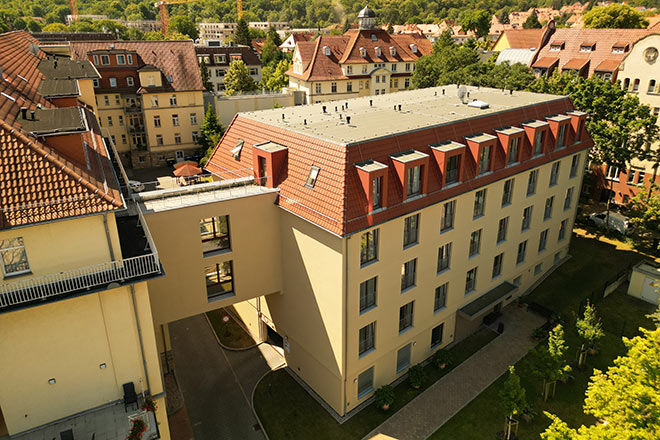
{"x": 399, "y": 107}
{"x": 32, "y": 117}
{"x": 371, "y": 103}
{"x": 348, "y": 119}
{"x": 24, "y": 112}
{"x": 324, "y": 109}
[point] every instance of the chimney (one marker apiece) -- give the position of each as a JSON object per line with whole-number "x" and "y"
{"x": 443, "y": 92}
{"x": 347, "y": 105}
{"x": 55, "y": 64}
{"x": 348, "y": 119}
{"x": 340, "y": 117}
{"x": 371, "y": 102}
{"x": 323, "y": 109}
{"x": 335, "y": 108}
{"x": 394, "y": 107}
{"x": 399, "y": 107}
{"x": 305, "y": 121}
{"x": 24, "y": 113}
{"x": 32, "y": 112}
{"x": 282, "y": 116}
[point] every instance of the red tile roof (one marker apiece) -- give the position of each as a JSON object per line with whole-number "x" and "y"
{"x": 337, "y": 202}
{"x": 345, "y": 49}
{"x": 175, "y": 58}
{"x": 38, "y": 182}
{"x": 608, "y": 66}
{"x": 604, "y": 40}
{"x": 546, "y": 62}
{"x": 576, "y": 64}
{"x": 523, "y": 38}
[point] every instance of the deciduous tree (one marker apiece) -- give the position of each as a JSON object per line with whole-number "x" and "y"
{"x": 532, "y": 21}
{"x": 210, "y": 133}
{"x": 513, "y": 399}
{"x": 615, "y": 16}
{"x": 477, "y": 21}
{"x": 238, "y": 79}
{"x": 590, "y": 330}
{"x": 242, "y": 35}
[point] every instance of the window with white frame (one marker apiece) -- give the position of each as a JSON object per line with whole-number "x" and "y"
{"x": 193, "y": 119}
{"x": 14, "y": 257}
{"x": 173, "y": 100}
{"x": 175, "y": 120}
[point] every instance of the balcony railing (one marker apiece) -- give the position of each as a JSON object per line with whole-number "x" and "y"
{"x": 132, "y": 108}
{"x": 136, "y": 128}
{"x": 82, "y": 279}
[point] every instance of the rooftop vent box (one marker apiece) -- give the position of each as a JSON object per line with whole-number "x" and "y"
{"x": 478, "y": 104}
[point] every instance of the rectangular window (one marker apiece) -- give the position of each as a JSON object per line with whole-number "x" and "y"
{"x": 117, "y": 100}
{"x": 497, "y": 265}
{"x": 538, "y": 268}
{"x": 547, "y": 212}
{"x": 440, "y": 301}
{"x": 436, "y": 335}
{"x": 403, "y": 358}
{"x": 612, "y": 173}
{"x": 175, "y": 120}
{"x": 479, "y": 203}
{"x": 410, "y": 230}
{"x": 367, "y": 338}
{"x": 484, "y": 160}
{"x": 14, "y": 257}
{"x": 562, "y": 230}
{"x": 121, "y": 59}
{"x": 451, "y": 174}
{"x": 378, "y": 182}
{"x": 365, "y": 382}
{"x": 448, "y": 210}
{"x": 640, "y": 177}
{"x": 561, "y": 136}
{"x": 193, "y": 118}
{"x": 575, "y": 162}
{"x": 317, "y": 88}
{"x": 173, "y": 100}
{"x": 408, "y": 274}
{"x": 527, "y": 218}
{"x": 507, "y": 194}
{"x": 333, "y": 87}
{"x": 554, "y": 173}
{"x": 349, "y": 86}
{"x": 220, "y": 279}
{"x": 578, "y": 130}
{"x": 121, "y": 120}
{"x": 154, "y": 101}
{"x": 369, "y": 247}
{"x": 109, "y": 121}
{"x": 214, "y": 232}
{"x": 471, "y": 280}
{"x": 129, "y": 59}
{"x": 406, "y": 316}
{"x": 444, "y": 257}
{"x": 631, "y": 177}
{"x": 517, "y": 280}
{"x": 513, "y": 151}
{"x": 312, "y": 177}
{"x": 96, "y": 83}
{"x": 367, "y": 294}
{"x": 105, "y": 60}
{"x": 522, "y": 250}
{"x": 177, "y": 138}
{"x": 414, "y": 181}
{"x": 475, "y": 243}
{"x": 538, "y": 143}
{"x": 96, "y": 60}
{"x": 130, "y": 82}
{"x": 195, "y": 136}
{"x": 568, "y": 201}
{"x": 159, "y": 139}
{"x": 156, "y": 121}
{"x": 531, "y": 182}
{"x": 113, "y": 82}
{"x": 106, "y": 100}
{"x": 123, "y": 138}
{"x": 502, "y": 229}
{"x": 543, "y": 239}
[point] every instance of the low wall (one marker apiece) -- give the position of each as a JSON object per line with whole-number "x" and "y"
{"x": 227, "y": 106}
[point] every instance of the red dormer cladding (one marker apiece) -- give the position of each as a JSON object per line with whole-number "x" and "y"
{"x": 512, "y": 142}
{"x": 559, "y": 130}
{"x": 536, "y": 132}
{"x": 342, "y": 200}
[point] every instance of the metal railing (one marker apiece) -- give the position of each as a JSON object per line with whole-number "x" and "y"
{"x": 81, "y": 279}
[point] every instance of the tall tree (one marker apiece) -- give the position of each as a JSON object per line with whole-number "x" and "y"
{"x": 532, "y": 21}
{"x": 549, "y": 361}
{"x": 279, "y": 79}
{"x": 184, "y": 25}
{"x": 626, "y": 397}
{"x": 513, "y": 399}
{"x": 273, "y": 36}
{"x": 270, "y": 53}
{"x": 590, "y": 330}
{"x": 478, "y": 22}
{"x": 237, "y": 79}
{"x": 204, "y": 71}
{"x": 615, "y": 16}
{"x": 210, "y": 133}
{"x": 242, "y": 35}
{"x": 503, "y": 16}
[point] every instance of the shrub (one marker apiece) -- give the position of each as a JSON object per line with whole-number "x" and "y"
{"x": 442, "y": 359}
{"x": 416, "y": 376}
{"x": 384, "y": 397}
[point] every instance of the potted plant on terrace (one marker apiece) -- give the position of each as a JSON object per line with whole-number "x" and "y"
{"x": 384, "y": 397}
{"x": 442, "y": 359}
{"x": 149, "y": 404}
{"x": 137, "y": 429}
{"x": 416, "y": 376}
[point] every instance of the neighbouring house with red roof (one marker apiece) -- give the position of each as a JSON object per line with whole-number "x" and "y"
{"x": 75, "y": 310}
{"x": 364, "y": 61}
{"x": 289, "y": 44}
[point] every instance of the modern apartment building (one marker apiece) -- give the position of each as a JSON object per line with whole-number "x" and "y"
{"x": 218, "y": 59}
{"x": 75, "y": 316}
{"x": 225, "y": 31}
{"x": 638, "y": 75}
{"x": 371, "y": 236}
{"x": 149, "y": 97}
{"x": 364, "y": 61}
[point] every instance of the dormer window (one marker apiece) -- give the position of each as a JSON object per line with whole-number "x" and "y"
{"x": 169, "y": 78}
{"x": 393, "y": 51}
{"x": 413, "y": 47}
{"x": 587, "y": 47}
{"x": 619, "y": 47}
{"x": 556, "y": 46}
{"x": 374, "y": 37}
{"x": 363, "y": 52}
{"x": 378, "y": 52}
{"x": 326, "y": 51}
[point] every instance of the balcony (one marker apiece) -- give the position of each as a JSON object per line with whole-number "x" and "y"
{"x": 134, "y": 129}
{"x": 133, "y": 108}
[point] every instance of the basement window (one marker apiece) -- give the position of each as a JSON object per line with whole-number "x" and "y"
{"x": 236, "y": 151}
{"x": 313, "y": 175}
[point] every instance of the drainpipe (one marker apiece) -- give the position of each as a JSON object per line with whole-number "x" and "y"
{"x": 346, "y": 322}
{"x": 139, "y": 330}
{"x": 107, "y": 236}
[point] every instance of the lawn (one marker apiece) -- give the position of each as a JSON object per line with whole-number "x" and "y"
{"x": 231, "y": 333}
{"x": 287, "y": 411}
{"x": 592, "y": 264}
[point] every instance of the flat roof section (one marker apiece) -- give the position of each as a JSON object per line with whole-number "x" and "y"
{"x": 409, "y": 156}
{"x": 481, "y": 137}
{"x": 370, "y": 166}
{"x": 446, "y": 147}
{"x": 558, "y": 118}
{"x": 54, "y": 120}
{"x": 486, "y": 300}
{"x": 373, "y": 117}
{"x": 535, "y": 124}
{"x": 270, "y": 147}
{"x": 509, "y": 130}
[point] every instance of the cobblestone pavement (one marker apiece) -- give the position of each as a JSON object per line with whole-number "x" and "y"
{"x": 441, "y": 401}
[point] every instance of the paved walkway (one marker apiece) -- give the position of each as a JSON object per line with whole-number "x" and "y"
{"x": 216, "y": 383}
{"x": 441, "y": 401}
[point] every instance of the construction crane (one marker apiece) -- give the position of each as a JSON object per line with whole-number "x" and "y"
{"x": 73, "y": 9}
{"x": 239, "y": 8}
{"x": 164, "y": 14}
